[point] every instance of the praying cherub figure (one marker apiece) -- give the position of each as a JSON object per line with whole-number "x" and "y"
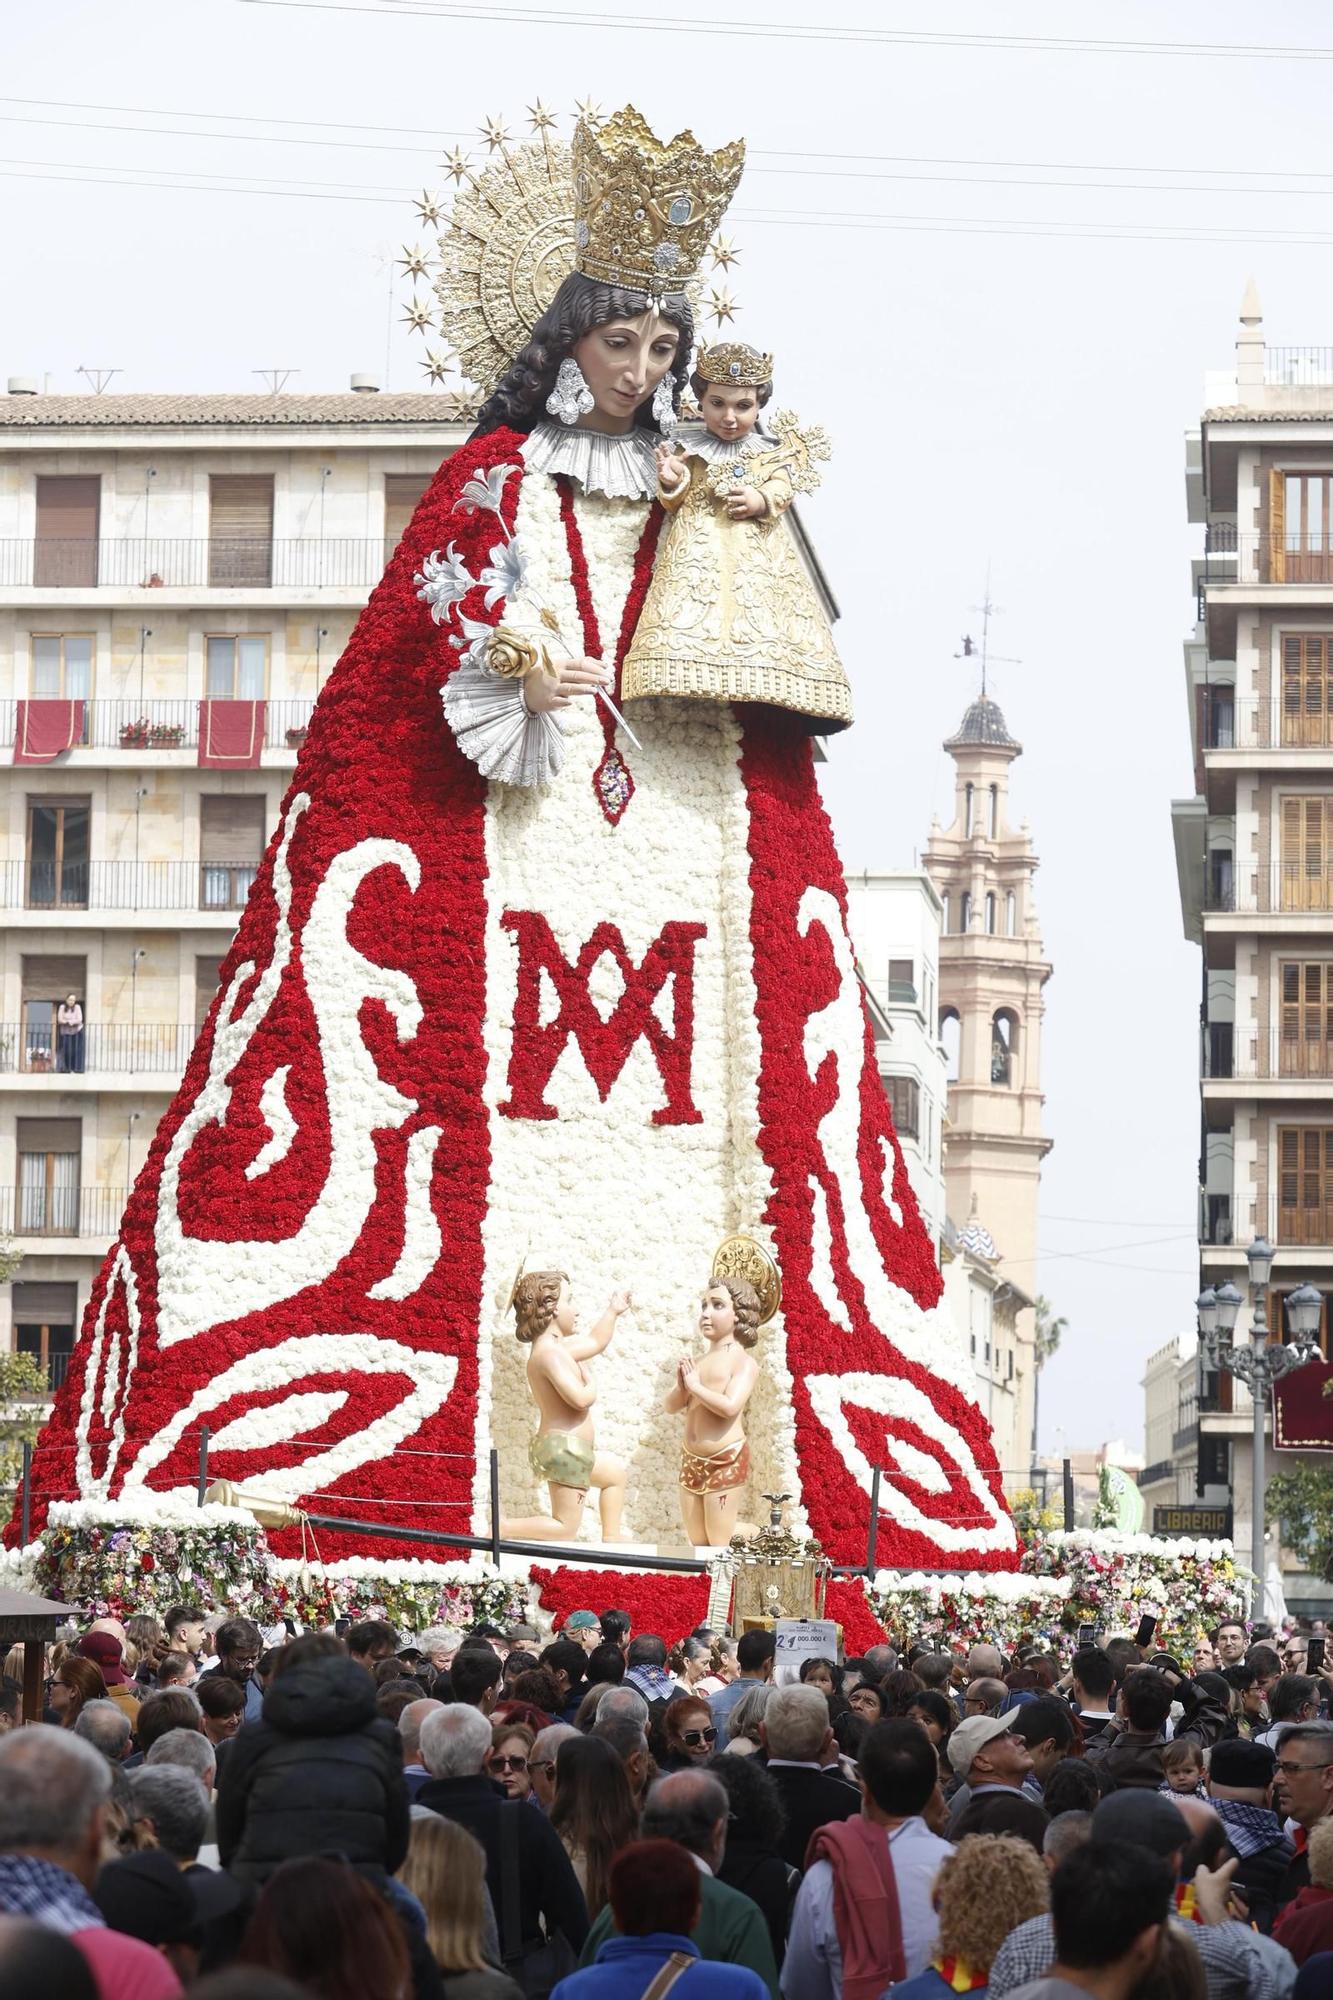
{"x": 713, "y": 1392}
{"x": 732, "y": 613}
{"x": 564, "y": 1452}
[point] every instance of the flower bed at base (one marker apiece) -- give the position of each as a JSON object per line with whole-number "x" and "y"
{"x": 114, "y": 1558}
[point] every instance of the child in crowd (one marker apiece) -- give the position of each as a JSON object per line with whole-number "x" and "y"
{"x": 1183, "y": 1766}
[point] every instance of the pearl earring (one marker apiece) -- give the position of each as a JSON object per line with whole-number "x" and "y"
{"x": 571, "y": 397}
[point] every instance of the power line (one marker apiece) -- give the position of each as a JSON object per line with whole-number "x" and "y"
{"x": 803, "y": 31}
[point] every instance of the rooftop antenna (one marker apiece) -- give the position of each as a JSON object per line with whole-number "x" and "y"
{"x": 99, "y": 377}
{"x": 971, "y": 651}
{"x": 277, "y": 378}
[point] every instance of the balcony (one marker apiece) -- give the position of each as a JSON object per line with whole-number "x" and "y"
{"x": 141, "y": 1048}
{"x": 1215, "y": 1220}
{"x": 1245, "y": 722}
{"x": 124, "y": 885}
{"x": 1248, "y": 1055}
{"x": 41, "y": 1214}
{"x": 1230, "y": 556}
{"x": 336, "y": 562}
{"x": 1285, "y": 887}
{"x": 148, "y": 725}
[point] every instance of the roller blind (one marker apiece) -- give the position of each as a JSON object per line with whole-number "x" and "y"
{"x": 232, "y": 831}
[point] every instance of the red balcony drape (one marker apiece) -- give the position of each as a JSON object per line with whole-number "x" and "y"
{"x": 231, "y": 735}
{"x": 46, "y": 729}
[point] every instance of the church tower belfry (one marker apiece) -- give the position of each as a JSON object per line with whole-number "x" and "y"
{"x": 992, "y": 974}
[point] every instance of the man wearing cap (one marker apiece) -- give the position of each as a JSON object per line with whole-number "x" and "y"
{"x": 992, "y": 1761}
{"x": 1240, "y": 1786}
{"x": 584, "y": 1628}
{"x": 106, "y": 1653}
{"x": 1238, "y": 1963}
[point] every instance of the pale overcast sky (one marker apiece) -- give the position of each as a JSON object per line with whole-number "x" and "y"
{"x": 996, "y": 273}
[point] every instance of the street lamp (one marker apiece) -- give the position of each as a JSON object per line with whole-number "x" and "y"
{"x": 1258, "y": 1366}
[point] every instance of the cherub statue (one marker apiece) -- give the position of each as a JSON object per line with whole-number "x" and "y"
{"x": 732, "y": 613}
{"x": 563, "y": 1452}
{"x": 713, "y": 1392}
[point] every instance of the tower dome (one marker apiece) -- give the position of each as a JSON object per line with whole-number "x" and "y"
{"x": 983, "y": 723}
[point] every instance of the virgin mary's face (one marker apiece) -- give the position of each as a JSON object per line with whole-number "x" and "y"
{"x": 622, "y": 364}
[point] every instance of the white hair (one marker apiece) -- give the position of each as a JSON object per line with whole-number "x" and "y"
{"x": 439, "y": 1639}
{"x": 188, "y": 1750}
{"x": 177, "y": 1804}
{"x": 455, "y": 1741}
{"x": 546, "y": 1743}
{"x": 409, "y": 1725}
{"x": 106, "y": 1726}
{"x": 622, "y": 1704}
{"x": 51, "y": 1784}
{"x": 795, "y": 1723}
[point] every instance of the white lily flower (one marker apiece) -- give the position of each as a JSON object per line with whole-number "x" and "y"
{"x": 506, "y": 574}
{"x": 485, "y": 490}
{"x": 443, "y": 580}
{"x": 476, "y": 638}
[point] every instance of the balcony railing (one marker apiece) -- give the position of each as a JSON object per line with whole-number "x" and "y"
{"x": 125, "y": 885}
{"x": 1215, "y": 1219}
{"x": 330, "y": 562}
{"x": 1299, "y": 719}
{"x": 1232, "y": 557}
{"x": 1251, "y": 1055}
{"x": 1285, "y": 886}
{"x": 147, "y": 1047}
{"x": 67, "y": 1212}
{"x": 1298, "y": 367}
{"x": 139, "y": 727}
{"x": 1305, "y": 1225}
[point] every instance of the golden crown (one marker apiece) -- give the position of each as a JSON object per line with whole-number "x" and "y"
{"x": 734, "y": 365}
{"x": 644, "y": 210}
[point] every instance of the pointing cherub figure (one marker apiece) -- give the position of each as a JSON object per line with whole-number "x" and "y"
{"x": 713, "y": 1392}
{"x": 563, "y": 1452}
{"x": 732, "y": 613}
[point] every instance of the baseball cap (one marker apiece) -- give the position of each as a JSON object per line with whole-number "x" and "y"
{"x": 145, "y": 1896}
{"x": 1144, "y": 1819}
{"x": 105, "y": 1651}
{"x": 583, "y": 1621}
{"x": 973, "y": 1735}
{"x": 1238, "y": 1763}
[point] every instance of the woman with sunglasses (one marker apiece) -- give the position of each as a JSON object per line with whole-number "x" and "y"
{"x": 511, "y": 1748}
{"x": 689, "y": 1734}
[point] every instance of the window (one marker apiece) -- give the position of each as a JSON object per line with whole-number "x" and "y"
{"x": 1011, "y": 914}
{"x": 237, "y": 668}
{"x": 1305, "y": 1046}
{"x": 207, "y": 979}
{"x": 1003, "y": 1046}
{"x": 904, "y": 1095}
{"x": 1306, "y": 694}
{"x": 45, "y": 1316}
{"x": 402, "y": 490}
{"x": 1278, "y": 1322}
{"x": 1305, "y": 1184}
{"x": 991, "y": 909}
{"x": 62, "y": 666}
{"x": 944, "y": 914}
{"x": 1221, "y": 879}
{"x": 231, "y": 848}
{"x": 1301, "y": 549}
{"x": 965, "y": 910}
{"x": 65, "y": 554}
{"x": 902, "y": 981}
{"x": 48, "y": 1192}
{"x": 968, "y": 810}
{"x": 46, "y": 979}
{"x": 993, "y": 823}
{"x": 1307, "y": 845}
{"x": 58, "y": 854}
{"x": 240, "y": 529}
{"x": 951, "y": 1035}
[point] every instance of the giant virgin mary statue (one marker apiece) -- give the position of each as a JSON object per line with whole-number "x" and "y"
{"x": 512, "y": 984}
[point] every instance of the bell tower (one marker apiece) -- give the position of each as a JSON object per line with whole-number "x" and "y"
{"x": 992, "y": 974}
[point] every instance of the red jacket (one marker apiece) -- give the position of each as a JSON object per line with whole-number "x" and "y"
{"x": 1306, "y": 1925}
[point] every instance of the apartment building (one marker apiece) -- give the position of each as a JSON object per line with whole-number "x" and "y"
{"x": 1254, "y": 849}
{"x": 178, "y": 576}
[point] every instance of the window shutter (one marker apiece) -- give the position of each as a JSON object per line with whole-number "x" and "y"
{"x": 240, "y": 529}
{"x": 232, "y": 831}
{"x": 207, "y": 979}
{"x": 51, "y": 977}
{"x": 1277, "y": 526}
{"x": 67, "y": 526}
{"x": 402, "y": 490}
{"x": 46, "y": 1304}
{"x": 50, "y": 1135}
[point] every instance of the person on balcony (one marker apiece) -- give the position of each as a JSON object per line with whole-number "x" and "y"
{"x": 69, "y": 1035}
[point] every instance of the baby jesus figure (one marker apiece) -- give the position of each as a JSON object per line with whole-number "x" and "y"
{"x": 732, "y": 613}
{"x": 713, "y": 1393}
{"x": 563, "y": 1452}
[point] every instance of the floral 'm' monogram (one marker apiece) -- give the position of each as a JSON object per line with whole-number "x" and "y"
{"x": 605, "y": 1045}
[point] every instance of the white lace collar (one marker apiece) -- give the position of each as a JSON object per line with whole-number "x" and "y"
{"x": 697, "y": 441}
{"x": 622, "y": 468}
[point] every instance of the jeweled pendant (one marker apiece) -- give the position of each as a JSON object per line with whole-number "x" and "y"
{"x": 613, "y": 784}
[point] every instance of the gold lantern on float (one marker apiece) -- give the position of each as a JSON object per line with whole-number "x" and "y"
{"x": 776, "y": 1574}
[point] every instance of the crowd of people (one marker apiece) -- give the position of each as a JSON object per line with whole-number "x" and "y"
{"x": 611, "y": 1815}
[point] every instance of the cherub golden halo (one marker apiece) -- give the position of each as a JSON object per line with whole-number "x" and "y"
{"x": 742, "y": 1257}
{"x": 731, "y": 364}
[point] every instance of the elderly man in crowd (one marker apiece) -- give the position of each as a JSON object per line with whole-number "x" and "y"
{"x": 54, "y": 1790}
{"x": 691, "y": 1808}
{"x": 107, "y": 1727}
{"x": 541, "y": 1761}
{"x": 415, "y": 1774}
{"x": 993, "y": 1763}
{"x": 797, "y": 1740}
{"x": 1303, "y": 1792}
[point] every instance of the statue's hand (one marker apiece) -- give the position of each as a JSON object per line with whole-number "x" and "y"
{"x": 544, "y": 692}
{"x": 745, "y": 503}
{"x": 671, "y": 467}
{"x": 620, "y": 1302}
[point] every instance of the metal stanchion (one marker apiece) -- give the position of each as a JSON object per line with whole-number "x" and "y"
{"x": 26, "y": 1515}
{"x": 203, "y": 1463}
{"x": 872, "y": 1533}
{"x": 1068, "y": 1476}
{"x": 495, "y": 1507}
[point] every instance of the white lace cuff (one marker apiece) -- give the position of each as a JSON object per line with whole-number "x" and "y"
{"x": 497, "y": 731}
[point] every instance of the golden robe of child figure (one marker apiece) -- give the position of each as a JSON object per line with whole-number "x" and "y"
{"x": 732, "y": 613}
